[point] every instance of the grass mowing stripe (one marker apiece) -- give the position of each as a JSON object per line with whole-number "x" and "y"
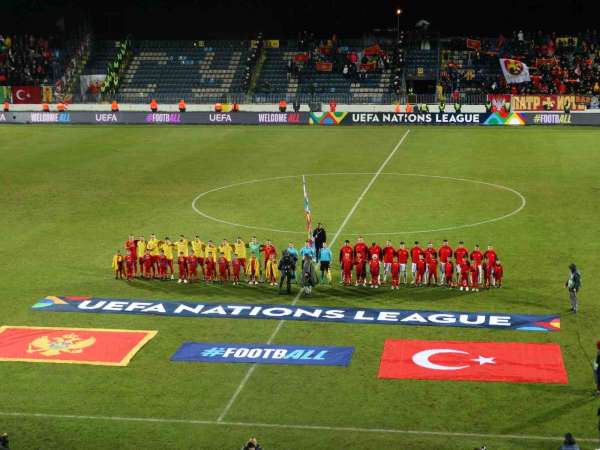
{"x": 297, "y": 297}
{"x": 524, "y": 437}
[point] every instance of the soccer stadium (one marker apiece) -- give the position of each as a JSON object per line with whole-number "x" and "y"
{"x": 259, "y": 225}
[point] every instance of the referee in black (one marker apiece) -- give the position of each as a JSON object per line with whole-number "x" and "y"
{"x": 319, "y": 236}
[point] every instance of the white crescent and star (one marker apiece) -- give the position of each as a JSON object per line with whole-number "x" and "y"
{"x": 422, "y": 359}
{"x": 18, "y": 94}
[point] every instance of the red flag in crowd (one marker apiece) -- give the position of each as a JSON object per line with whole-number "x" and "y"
{"x": 26, "y": 94}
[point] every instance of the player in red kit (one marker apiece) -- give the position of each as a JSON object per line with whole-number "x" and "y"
{"x": 359, "y": 268}
{"x": 429, "y": 250}
{"x": 130, "y": 265}
{"x": 236, "y": 266}
{"x": 475, "y": 269}
{"x": 464, "y": 267}
{"x": 497, "y": 273}
{"x": 420, "y": 269}
{"x": 192, "y": 266}
{"x": 223, "y": 268}
{"x": 432, "y": 269}
{"x": 131, "y": 247}
{"x": 162, "y": 266}
{"x": 347, "y": 269}
{"x": 395, "y": 271}
{"x": 253, "y": 269}
{"x": 476, "y": 257}
{"x": 147, "y": 264}
{"x": 268, "y": 250}
{"x": 444, "y": 252}
{"x": 346, "y": 250}
{"x": 491, "y": 256}
{"x": 486, "y": 267}
{"x": 388, "y": 258}
{"x": 460, "y": 253}
{"x": 182, "y": 267}
{"x": 403, "y": 260}
{"x": 209, "y": 267}
{"x": 361, "y": 247}
{"x": 448, "y": 273}
{"x": 374, "y": 269}
{"x": 415, "y": 252}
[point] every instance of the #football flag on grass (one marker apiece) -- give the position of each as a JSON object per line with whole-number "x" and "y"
{"x": 307, "y": 208}
{"x": 71, "y": 345}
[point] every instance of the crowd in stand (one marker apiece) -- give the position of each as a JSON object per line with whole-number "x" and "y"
{"x": 28, "y": 60}
{"x": 558, "y": 64}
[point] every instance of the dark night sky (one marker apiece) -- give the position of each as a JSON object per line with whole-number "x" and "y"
{"x": 221, "y": 18}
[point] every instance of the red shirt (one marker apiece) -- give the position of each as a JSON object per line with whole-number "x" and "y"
{"x": 374, "y": 266}
{"x": 415, "y": 252}
{"x": 235, "y": 265}
{"x": 433, "y": 263}
{"x": 269, "y": 250}
{"x": 428, "y": 252}
{"x": 477, "y": 256}
{"x": 361, "y": 248}
{"x": 460, "y": 253}
{"x": 402, "y": 255}
{"x": 395, "y": 269}
{"x": 129, "y": 259}
{"x": 474, "y": 271}
{"x": 448, "y": 268}
{"x": 346, "y": 250}
{"x": 181, "y": 260}
{"x": 147, "y": 259}
{"x": 192, "y": 262}
{"x": 131, "y": 246}
{"x": 210, "y": 264}
{"x": 223, "y": 265}
{"x": 498, "y": 271}
{"x": 491, "y": 256}
{"x": 445, "y": 252}
{"x": 388, "y": 254}
{"x": 347, "y": 264}
{"x": 374, "y": 250}
{"x": 464, "y": 269}
{"x": 162, "y": 261}
{"x": 360, "y": 264}
{"x": 421, "y": 266}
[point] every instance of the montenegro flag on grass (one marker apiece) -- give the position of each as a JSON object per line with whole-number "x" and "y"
{"x": 71, "y": 345}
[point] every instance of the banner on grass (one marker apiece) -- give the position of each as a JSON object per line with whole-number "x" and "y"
{"x": 71, "y": 345}
{"x": 513, "y": 362}
{"x": 264, "y": 354}
{"x": 307, "y": 313}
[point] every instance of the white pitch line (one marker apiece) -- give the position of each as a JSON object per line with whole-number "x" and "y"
{"x": 252, "y": 368}
{"x": 527, "y": 437}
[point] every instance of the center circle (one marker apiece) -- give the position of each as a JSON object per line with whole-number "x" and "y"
{"x": 522, "y": 201}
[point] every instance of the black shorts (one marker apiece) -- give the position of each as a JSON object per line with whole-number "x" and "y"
{"x": 325, "y": 265}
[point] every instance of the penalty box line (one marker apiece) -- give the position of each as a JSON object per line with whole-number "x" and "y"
{"x": 521, "y": 437}
{"x": 252, "y": 368}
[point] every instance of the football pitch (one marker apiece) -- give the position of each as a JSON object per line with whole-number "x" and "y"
{"x": 71, "y": 195}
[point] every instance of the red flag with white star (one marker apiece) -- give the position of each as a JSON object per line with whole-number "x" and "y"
{"x": 513, "y": 362}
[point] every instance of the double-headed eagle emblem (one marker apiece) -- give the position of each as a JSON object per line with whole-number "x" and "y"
{"x": 67, "y": 343}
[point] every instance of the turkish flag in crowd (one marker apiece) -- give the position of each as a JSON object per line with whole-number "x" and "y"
{"x": 475, "y": 44}
{"x": 26, "y": 94}
{"x": 513, "y": 362}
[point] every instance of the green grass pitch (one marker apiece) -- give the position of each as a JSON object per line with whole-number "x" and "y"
{"x": 70, "y": 195}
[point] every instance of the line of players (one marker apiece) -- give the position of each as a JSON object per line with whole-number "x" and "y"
{"x": 429, "y": 266}
{"x": 228, "y": 261}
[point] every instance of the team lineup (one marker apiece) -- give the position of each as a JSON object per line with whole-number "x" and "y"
{"x": 359, "y": 264}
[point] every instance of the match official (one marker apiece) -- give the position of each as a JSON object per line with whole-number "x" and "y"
{"x": 573, "y": 284}
{"x": 320, "y": 236}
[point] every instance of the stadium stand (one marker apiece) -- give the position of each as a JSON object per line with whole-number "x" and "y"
{"x": 30, "y": 60}
{"x": 102, "y": 54}
{"x": 197, "y": 71}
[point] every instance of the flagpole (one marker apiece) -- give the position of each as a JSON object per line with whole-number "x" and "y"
{"x": 307, "y": 212}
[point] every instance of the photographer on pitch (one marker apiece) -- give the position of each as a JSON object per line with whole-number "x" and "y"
{"x": 287, "y": 269}
{"x": 4, "y": 445}
{"x": 573, "y": 285}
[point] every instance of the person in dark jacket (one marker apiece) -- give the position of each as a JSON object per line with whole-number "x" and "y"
{"x": 573, "y": 284}
{"x": 319, "y": 235}
{"x": 569, "y": 443}
{"x": 252, "y": 444}
{"x": 597, "y": 371}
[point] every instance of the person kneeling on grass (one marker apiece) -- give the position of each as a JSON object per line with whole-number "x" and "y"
{"x": 569, "y": 443}
{"x": 252, "y": 444}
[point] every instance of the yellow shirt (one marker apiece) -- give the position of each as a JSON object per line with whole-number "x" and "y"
{"x": 141, "y": 248}
{"x": 182, "y": 247}
{"x": 211, "y": 250}
{"x": 240, "y": 249}
{"x": 153, "y": 247}
{"x": 226, "y": 250}
{"x": 167, "y": 247}
{"x": 198, "y": 247}
{"x": 116, "y": 260}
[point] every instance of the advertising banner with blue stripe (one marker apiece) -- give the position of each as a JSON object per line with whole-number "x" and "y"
{"x": 264, "y": 354}
{"x": 509, "y": 321}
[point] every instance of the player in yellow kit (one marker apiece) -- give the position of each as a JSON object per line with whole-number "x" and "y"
{"x": 239, "y": 247}
{"x": 182, "y": 246}
{"x": 226, "y": 249}
{"x": 153, "y": 246}
{"x": 141, "y": 251}
{"x": 211, "y": 250}
{"x": 167, "y": 248}
{"x": 198, "y": 246}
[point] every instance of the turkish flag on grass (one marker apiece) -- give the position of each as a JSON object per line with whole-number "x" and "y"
{"x": 513, "y": 362}
{"x": 26, "y": 94}
{"x": 71, "y": 345}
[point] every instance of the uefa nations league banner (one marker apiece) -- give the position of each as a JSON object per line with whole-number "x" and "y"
{"x": 304, "y": 313}
{"x": 383, "y": 118}
{"x": 264, "y": 354}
